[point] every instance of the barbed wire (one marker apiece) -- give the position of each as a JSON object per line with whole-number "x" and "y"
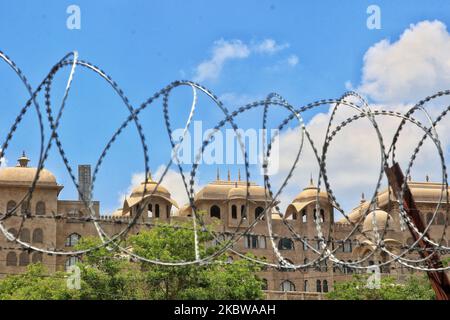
{"x": 324, "y": 237}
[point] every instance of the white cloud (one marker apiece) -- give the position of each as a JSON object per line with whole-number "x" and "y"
{"x": 292, "y": 60}
{"x": 269, "y": 46}
{"x": 237, "y": 99}
{"x": 225, "y": 50}
{"x": 409, "y": 69}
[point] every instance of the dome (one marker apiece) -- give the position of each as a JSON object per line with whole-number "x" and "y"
{"x": 237, "y": 193}
{"x": 149, "y": 187}
{"x": 380, "y": 217}
{"x": 310, "y": 193}
{"x": 22, "y": 174}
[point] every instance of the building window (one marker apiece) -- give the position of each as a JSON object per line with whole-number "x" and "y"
{"x": 24, "y": 259}
{"x": 305, "y": 286}
{"x": 40, "y": 208}
{"x": 284, "y": 268}
{"x": 13, "y": 232}
{"x": 25, "y": 208}
{"x": 440, "y": 218}
{"x": 10, "y": 206}
{"x": 318, "y": 286}
{"x": 285, "y": 244}
{"x": 72, "y": 239}
{"x": 11, "y": 259}
{"x": 294, "y": 215}
{"x": 168, "y": 212}
{"x": 150, "y": 211}
{"x": 325, "y": 286}
{"x": 262, "y": 242}
{"x": 71, "y": 261}
{"x": 36, "y": 257}
{"x": 243, "y": 213}
{"x": 259, "y": 211}
{"x": 38, "y": 235}
{"x": 251, "y": 242}
{"x": 348, "y": 245}
{"x": 264, "y": 285}
{"x": 25, "y": 235}
{"x": 304, "y": 219}
{"x": 156, "y": 210}
{"x": 305, "y": 244}
{"x": 322, "y": 215}
{"x": 287, "y": 286}
{"x": 233, "y": 212}
{"x": 215, "y": 212}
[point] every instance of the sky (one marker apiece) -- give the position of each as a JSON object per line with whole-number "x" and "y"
{"x": 241, "y": 51}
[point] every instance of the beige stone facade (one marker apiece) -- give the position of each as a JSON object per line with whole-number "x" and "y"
{"x": 57, "y": 224}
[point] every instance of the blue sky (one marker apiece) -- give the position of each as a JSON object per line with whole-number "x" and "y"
{"x": 314, "y": 49}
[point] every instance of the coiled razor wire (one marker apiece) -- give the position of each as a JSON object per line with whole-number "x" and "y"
{"x": 273, "y": 100}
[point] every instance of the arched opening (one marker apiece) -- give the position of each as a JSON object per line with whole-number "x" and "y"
{"x": 318, "y": 286}
{"x": 304, "y": 217}
{"x": 38, "y": 235}
{"x": 285, "y": 244}
{"x": 325, "y": 286}
{"x": 233, "y": 212}
{"x": 71, "y": 261}
{"x": 11, "y": 259}
{"x": 36, "y": 257}
{"x": 24, "y": 259}
{"x": 25, "y": 208}
{"x": 215, "y": 212}
{"x": 258, "y": 211}
{"x": 13, "y": 232}
{"x": 156, "y": 210}
{"x": 305, "y": 286}
{"x": 287, "y": 286}
{"x": 243, "y": 213}
{"x": 286, "y": 268}
{"x": 25, "y": 235}
{"x": 10, "y": 206}
{"x": 72, "y": 239}
{"x": 40, "y": 208}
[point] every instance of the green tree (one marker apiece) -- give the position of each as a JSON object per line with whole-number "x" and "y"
{"x": 414, "y": 288}
{"x": 36, "y": 284}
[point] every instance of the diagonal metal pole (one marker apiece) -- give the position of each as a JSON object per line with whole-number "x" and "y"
{"x": 439, "y": 280}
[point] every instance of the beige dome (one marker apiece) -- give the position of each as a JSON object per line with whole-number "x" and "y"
{"x": 380, "y": 217}
{"x": 150, "y": 188}
{"x": 25, "y": 175}
{"x": 310, "y": 193}
{"x": 237, "y": 193}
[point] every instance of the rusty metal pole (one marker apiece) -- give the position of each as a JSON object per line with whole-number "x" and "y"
{"x": 439, "y": 280}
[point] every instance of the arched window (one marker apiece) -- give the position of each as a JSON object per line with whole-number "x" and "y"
{"x": 348, "y": 245}
{"x": 150, "y": 211}
{"x": 305, "y": 286}
{"x": 429, "y": 217}
{"x": 40, "y": 208}
{"x": 322, "y": 215}
{"x": 258, "y": 211}
{"x": 168, "y": 212}
{"x": 305, "y": 244}
{"x": 304, "y": 217}
{"x": 305, "y": 261}
{"x": 36, "y": 257}
{"x": 286, "y": 286}
{"x": 156, "y": 210}
{"x": 24, "y": 259}
{"x": 72, "y": 239}
{"x": 215, "y": 212}
{"x": 286, "y": 268}
{"x": 71, "y": 261}
{"x": 38, "y": 235}
{"x": 25, "y": 235}
{"x": 285, "y": 244}
{"x": 440, "y": 218}
{"x": 10, "y": 206}
{"x": 25, "y": 208}
{"x": 264, "y": 285}
{"x": 13, "y": 232}
{"x": 262, "y": 242}
{"x": 318, "y": 286}
{"x": 243, "y": 213}
{"x": 325, "y": 286}
{"x": 11, "y": 259}
{"x": 233, "y": 212}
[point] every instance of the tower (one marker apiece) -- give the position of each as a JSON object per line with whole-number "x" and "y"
{"x": 84, "y": 182}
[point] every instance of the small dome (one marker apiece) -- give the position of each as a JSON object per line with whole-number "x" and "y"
{"x": 380, "y": 217}
{"x": 150, "y": 189}
{"x": 22, "y": 174}
{"x": 237, "y": 193}
{"x": 310, "y": 193}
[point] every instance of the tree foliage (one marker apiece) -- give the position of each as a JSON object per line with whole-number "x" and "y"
{"x": 107, "y": 274}
{"x": 414, "y": 288}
